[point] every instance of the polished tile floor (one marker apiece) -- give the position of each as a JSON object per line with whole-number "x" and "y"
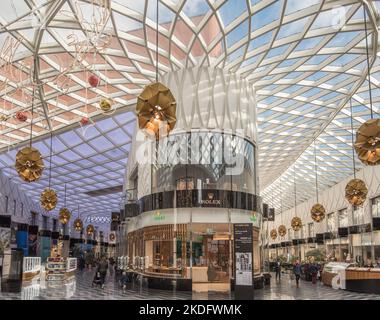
{"x": 79, "y": 288}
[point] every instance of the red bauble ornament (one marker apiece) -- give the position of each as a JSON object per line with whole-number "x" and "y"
{"x": 21, "y": 116}
{"x": 84, "y": 121}
{"x": 93, "y": 81}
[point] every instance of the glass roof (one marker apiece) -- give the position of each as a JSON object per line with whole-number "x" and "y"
{"x": 305, "y": 59}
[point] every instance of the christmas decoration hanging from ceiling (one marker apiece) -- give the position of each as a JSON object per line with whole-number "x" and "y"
{"x": 156, "y": 105}
{"x": 64, "y": 213}
{"x": 367, "y": 144}
{"x": 317, "y": 211}
{"x": 48, "y": 197}
{"x": 29, "y": 164}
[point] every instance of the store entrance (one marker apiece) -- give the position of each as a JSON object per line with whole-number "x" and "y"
{"x": 211, "y": 256}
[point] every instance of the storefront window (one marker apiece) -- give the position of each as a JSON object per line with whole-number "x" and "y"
{"x": 331, "y": 222}
{"x": 204, "y": 160}
{"x": 211, "y": 252}
{"x": 376, "y": 207}
{"x": 343, "y": 218}
{"x": 357, "y": 215}
{"x": 311, "y": 229}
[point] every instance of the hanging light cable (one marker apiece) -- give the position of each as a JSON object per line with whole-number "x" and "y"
{"x": 48, "y": 197}
{"x": 64, "y": 213}
{"x": 367, "y": 144}
{"x": 281, "y": 228}
{"x": 296, "y": 222}
{"x": 29, "y": 163}
{"x": 317, "y": 211}
{"x": 368, "y": 64}
{"x": 156, "y": 105}
{"x": 356, "y": 190}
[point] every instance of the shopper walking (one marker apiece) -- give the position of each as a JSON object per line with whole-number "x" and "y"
{"x": 297, "y": 272}
{"x": 277, "y": 268}
{"x": 314, "y": 273}
{"x": 102, "y": 269}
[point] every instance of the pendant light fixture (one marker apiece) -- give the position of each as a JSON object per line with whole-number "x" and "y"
{"x": 90, "y": 229}
{"x": 296, "y": 222}
{"x": 78, "y": 223}
{"x": 317, "y": 211}
{"x": 156, "y": 105}
{"x": 48, "y": 198}
{"x": 29, "y": 163}
{"x": 367, "y": 144}
{"x": 273, "y": 232}
{"x": 281, "y": 228}
{"x": 356, "y": 191}
{"x": 64, "y": 213}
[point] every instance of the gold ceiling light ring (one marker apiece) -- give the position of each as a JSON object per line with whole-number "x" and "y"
{"x": 318, "y": 212}
{"x": 64, "y": 216}
{"x": 90, "y": 229}
{"x": 356, "y": 192}
{"x": 273, "y": 234}
{"x": 156, "y": 107}
{"x": 282, "y": 230}
{"x": 78, "y": 224}
{"x": 48, "y": 199}
{"x": 367, "y": 143}
{"x": 29, "y": 164}
{"x": 296, "y": 223}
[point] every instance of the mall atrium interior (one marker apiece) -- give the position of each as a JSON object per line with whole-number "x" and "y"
{"x": 189, "y": 149}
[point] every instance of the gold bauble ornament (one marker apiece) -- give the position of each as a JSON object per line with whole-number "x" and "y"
{"x": 29, "y": 164}
{"x": 296, "y": 223}
{"x": 78, "y": 224}
{"x": 64, "y": 215}
{"x": 273, "y": 234}
{"x": 4, "y": 117}
{"x": 367, "y": 143}
{"x": 318, "y": 212}
{"x": 282, "y": 230}
{"x": 90, "y": 229}
{"x": 106, "y": 105}
{"x": 356, "y": 192}
{"x": 48, "y": 199}
{"x": 156, "y": 107}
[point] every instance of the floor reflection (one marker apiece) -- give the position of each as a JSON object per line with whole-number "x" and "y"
{"x": 79, "y": 288}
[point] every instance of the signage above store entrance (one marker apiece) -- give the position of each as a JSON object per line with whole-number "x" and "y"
{"x": 210, "y": 200}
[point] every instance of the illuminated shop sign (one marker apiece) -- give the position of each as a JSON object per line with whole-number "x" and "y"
{"x": 158, "y": 216}
{"x": 210, "y": 200}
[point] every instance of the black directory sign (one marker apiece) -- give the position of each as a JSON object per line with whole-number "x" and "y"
{"x": 243, "y": 259}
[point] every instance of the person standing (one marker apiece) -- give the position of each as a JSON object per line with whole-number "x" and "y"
{"x": 297, "y": 272}
{"x": 314, "y": 273}
{"x": 102, "y": 269}
{"x": 278, "y": 269}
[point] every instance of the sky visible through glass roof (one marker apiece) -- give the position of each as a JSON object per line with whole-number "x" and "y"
{"x": 305, "y": 59}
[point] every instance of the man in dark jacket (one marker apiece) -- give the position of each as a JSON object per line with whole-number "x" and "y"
{"x": 102, "y": 269}
{"x": 277, "y": 268}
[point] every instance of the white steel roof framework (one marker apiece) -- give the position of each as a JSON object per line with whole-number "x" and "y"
{"x": 305, "y": 59}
